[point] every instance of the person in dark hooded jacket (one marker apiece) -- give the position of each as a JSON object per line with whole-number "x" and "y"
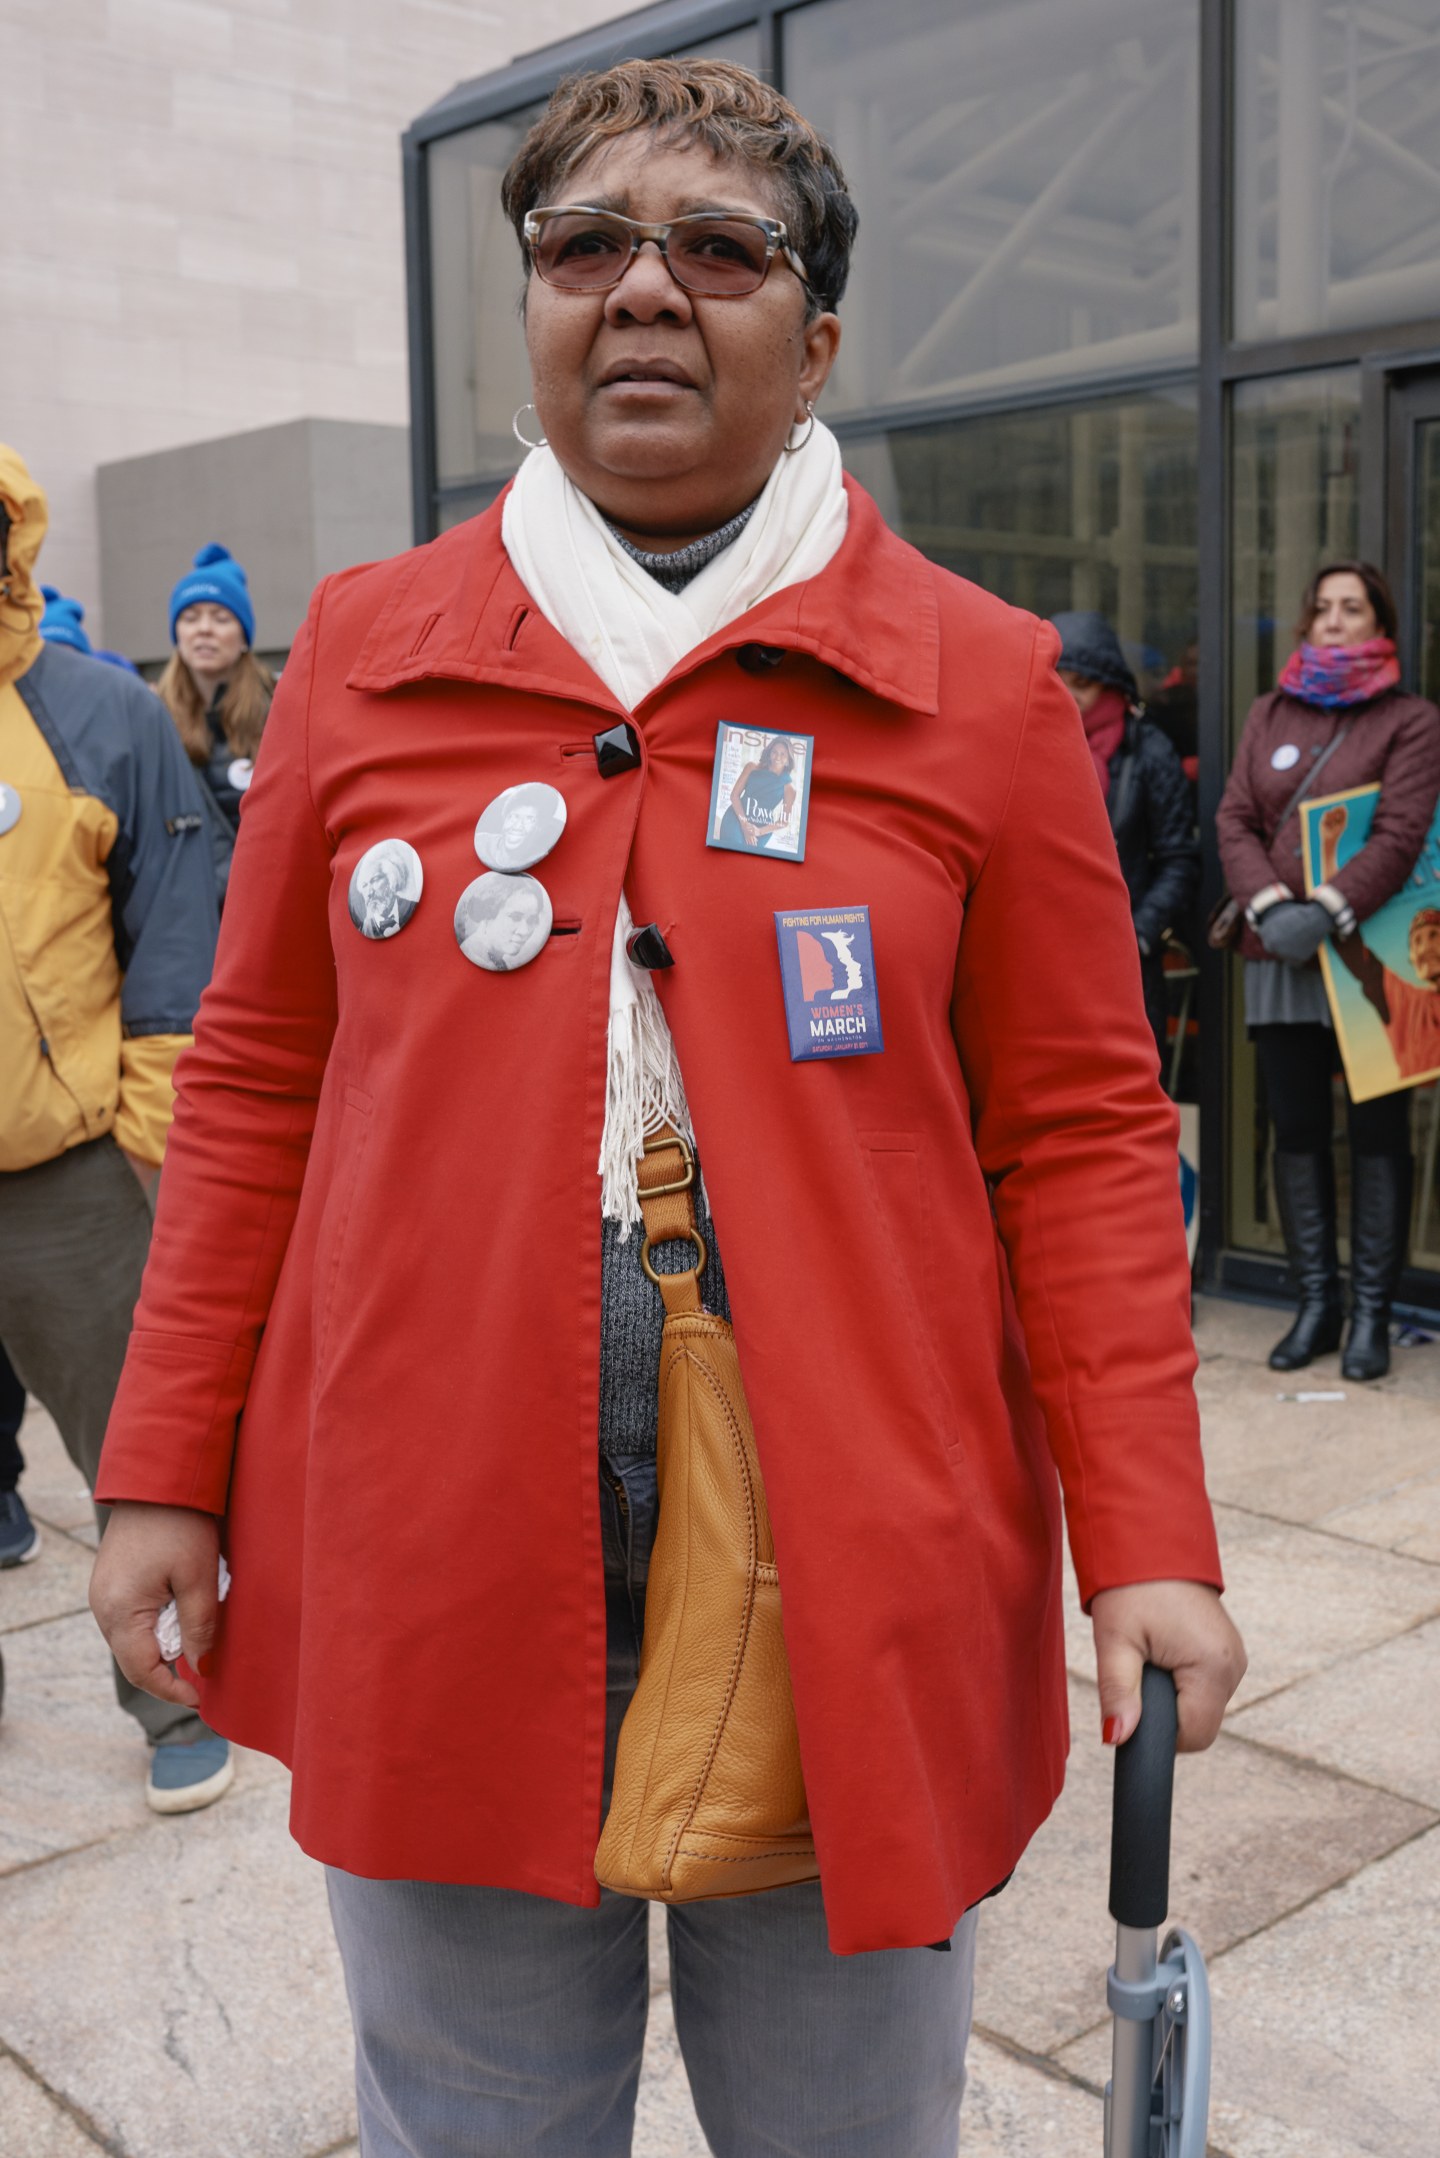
{"x": 1146, "y": 793}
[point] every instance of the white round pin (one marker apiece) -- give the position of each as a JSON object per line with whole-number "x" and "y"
{"x": 9, "y": 807}
{"x": 240, "y": 773}
{"x": 502, "y": 921}
{"x": 385, "y": 889}
{"x": 1283, "y": 757}
{"x": 519, "y": 828}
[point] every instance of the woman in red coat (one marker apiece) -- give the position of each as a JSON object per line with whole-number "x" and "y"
{"x": 1338, "y": 719}
{"x": 393, "y": 1311}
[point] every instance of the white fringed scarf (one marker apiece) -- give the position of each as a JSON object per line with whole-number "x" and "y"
{"x": 633, "y": 632}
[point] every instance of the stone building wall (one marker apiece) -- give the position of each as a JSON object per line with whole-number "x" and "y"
{"x": 202, "y": 225}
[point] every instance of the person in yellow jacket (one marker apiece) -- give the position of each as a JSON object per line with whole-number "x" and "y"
{"x": 107, "y": 938}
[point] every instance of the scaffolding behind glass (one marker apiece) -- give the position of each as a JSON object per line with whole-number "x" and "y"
{"x": 1337, "y": 164}
{"x": 1028, "y": 175}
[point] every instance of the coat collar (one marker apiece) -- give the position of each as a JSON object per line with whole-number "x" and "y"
{"x": 459, "y": 613}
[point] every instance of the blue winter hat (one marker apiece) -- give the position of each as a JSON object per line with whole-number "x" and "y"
{"x": 60, "y": 623}
{"x": 115, "y": 659}
{"x": 217, "y": 576}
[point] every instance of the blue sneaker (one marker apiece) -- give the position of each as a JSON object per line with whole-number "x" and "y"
{"x": 19, "y": 1537}
{"x": 185, "y": 1778}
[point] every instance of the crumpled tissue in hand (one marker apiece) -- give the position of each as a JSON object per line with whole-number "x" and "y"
{"x": 167, "y": 1625}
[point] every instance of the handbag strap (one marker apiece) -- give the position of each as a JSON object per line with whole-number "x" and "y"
{"x": 1309, "y": 780}
{"x": 665, "y": 1176}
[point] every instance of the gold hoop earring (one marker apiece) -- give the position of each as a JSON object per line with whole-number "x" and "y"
{"x": 524, "y": 440}
{"x": 792, "y": 449}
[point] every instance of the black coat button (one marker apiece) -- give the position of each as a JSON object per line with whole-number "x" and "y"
{"x": 617, "y": 750}
{"x": 647, "y": 948}
{"x": 760, "y": 658}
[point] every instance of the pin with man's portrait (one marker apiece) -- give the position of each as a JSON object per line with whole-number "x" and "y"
{"x": 385, "y": 889}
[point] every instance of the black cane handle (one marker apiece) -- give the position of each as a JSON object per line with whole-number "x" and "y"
{"x": 1140, "y": 1824}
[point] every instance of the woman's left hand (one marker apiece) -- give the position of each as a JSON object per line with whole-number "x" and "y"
{"x": 1183, "y": 1627}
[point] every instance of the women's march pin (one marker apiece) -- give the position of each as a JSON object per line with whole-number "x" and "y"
{"x": 9, "y": 808}
{"x": 240, "y": 771}
{"x": 1282, "y": 758}
{"x": 385, "y": 888}
{"x": 827, "y": 974}
{"x": 503, "y": 921}
{"x": 520, "y": 827}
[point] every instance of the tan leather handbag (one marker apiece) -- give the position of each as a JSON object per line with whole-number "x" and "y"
{"x": 708, "y": 1796}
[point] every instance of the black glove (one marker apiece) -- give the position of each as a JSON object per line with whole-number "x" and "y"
{"x": 1294, "y": 930}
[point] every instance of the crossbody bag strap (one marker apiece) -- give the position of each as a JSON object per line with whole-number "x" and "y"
{"x": 665, "y": 1176}
{"x": 1124, "y": 787}
{"x": 1308, "y": 781}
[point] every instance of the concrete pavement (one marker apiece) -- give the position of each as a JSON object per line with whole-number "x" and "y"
{"x": 169, "y": 1988}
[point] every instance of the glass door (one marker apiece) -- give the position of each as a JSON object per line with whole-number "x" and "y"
{"x": 1425, "y": 608}
{"x": 1413, "y": 537}
{"x": 1413, "y": 496}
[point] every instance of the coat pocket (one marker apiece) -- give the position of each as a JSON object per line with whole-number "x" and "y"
{"x": 351, "y": 1138}
{"x": 894, "y": 1162}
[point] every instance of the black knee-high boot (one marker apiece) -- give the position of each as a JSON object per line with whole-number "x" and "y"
{"x": 1305, "y": 1195}
{"x": 1380, "y": 1186}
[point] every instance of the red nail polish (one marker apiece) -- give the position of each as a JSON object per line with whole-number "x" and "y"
{"x": 1109, "y": 1732}
{"x": 205, "y": 1666}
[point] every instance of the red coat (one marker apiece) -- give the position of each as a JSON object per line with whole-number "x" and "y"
{"x": 379, "y": 1229}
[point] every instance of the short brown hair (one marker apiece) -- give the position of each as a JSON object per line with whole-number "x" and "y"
{"x": 733, "y": 114}
{"x": 1377, "y": 591}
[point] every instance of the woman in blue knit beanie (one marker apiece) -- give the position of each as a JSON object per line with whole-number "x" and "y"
{"x": 215, "y": 689}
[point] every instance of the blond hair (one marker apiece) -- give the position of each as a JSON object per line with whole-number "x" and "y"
{"x": 243, "y": 708}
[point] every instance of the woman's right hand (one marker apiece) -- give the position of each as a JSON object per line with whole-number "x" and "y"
{"x": 147, "y": 1555}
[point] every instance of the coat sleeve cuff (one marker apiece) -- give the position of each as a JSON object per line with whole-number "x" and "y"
{"x": 172, "y": 1428}
{"x": 147, "y": 1093}
{"x": 1138, "y": 1510}
{"x": 1338, "y": 907}
{"x": 1269, "y": 895}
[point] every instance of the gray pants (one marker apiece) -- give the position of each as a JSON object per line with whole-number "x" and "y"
{"x": 73, "y": 1237}
{"x": 493, "y": 2024}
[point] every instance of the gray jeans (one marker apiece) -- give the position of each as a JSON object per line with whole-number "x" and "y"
{"x": 73, "y": 1237}
{"x": 494, "y": 2024}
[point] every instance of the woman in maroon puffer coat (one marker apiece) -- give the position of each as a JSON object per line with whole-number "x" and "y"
{"x": 1343, "y": 682}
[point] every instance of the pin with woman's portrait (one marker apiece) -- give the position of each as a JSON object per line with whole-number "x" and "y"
{"x": 760, "y": 792}
{"x": 519, "y": 828}
{"x": 502, "y": 922}
{"x": 9, "y": 807}
{"x": 385, "y": 889}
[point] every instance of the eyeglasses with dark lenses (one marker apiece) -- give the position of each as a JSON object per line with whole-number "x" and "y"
{"x": 719, "y": 257}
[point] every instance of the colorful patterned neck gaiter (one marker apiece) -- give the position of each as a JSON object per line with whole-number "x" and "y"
{"x": 1342, "y": 673}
